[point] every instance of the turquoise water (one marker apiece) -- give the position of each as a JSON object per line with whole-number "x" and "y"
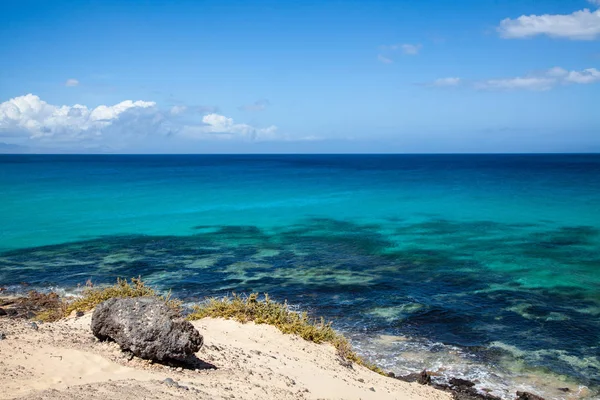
{"x": 482, "y": 266}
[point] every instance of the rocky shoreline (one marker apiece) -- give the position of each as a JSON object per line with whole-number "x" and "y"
{"x": 18, "y": 312}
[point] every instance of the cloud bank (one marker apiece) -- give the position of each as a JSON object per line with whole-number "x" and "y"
{"x": 115, "y": 126}
{"x": 580, "y": 25}
{"x": 539, "y": 81}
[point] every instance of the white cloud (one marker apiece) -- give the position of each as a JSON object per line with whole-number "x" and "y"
{"x": 218, "y": 126}
{"x": 34, "y": 117}
{"x": 176, "y": 110}
{"x": 384, "y": 59}
{"x": 590, "y": 75}
{"x": 527, "y": 83}
{"x": 411, "y": 49}
{"x": 113, "y": 126}
{"x": 72, "y": 82}
{"x": 445, "y": 82}
{"x": 580, "y": 25}
{"x": 542, "y": 80}
{"x": 406, "y": 48}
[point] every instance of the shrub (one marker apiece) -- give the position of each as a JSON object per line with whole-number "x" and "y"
{"x": 92, "y": 296}
{"x": 265, "y": 311}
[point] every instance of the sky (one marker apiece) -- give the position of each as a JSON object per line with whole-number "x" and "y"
{"x": 403, "y": 76}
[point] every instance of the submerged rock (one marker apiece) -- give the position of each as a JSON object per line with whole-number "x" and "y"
{"x": 463, "y": 389}
{"x": 528, "y": 396}
{"x": 147, "y": 327}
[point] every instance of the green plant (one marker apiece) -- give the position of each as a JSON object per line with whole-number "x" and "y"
{"x": 92, "y": 296}
{"x": 265, "y": 311}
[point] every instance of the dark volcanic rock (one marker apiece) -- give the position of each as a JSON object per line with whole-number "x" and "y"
{"x": 528, "y": 396}
{"x": 463, "y": 389}
{"x": 146, "y": 327}
{"x": 458, "y": 383}
{"x": 2, "y": 312}
{"x": 409, "y": 378}
{"x": 425, "y": 378}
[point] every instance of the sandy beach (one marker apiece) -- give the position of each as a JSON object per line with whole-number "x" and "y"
{"x": 63, "y": 360}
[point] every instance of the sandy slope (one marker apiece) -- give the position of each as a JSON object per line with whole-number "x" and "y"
{"x": 63, "y": 360}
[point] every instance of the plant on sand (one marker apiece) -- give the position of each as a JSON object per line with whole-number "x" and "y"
{"x": 266, "y": 311}
{"x": 92, "y": 296}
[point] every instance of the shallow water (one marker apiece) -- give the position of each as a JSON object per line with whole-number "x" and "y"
{"x": 485, "y": 267}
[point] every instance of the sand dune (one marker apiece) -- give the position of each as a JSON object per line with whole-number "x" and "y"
{"x": 63, "y": 360}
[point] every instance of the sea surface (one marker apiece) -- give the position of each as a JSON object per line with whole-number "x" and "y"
{"x": 485, "y": 267}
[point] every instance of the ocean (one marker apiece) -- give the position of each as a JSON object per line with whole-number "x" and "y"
{"x": 485, "y": 267}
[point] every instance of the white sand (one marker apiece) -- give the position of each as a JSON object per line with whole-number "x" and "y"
{"x": 63, "y": 360}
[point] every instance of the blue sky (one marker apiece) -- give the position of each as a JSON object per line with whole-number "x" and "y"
{"x": 300, "y": 76}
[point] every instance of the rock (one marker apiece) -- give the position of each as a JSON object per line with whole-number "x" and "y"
{"x": 170, "y": 382}
{"x": 34, "y": 326}
{"x": 79, "y": 314}
{"x": 528, "y": 396}
{"x": 463, "y": 389}
{"x": 424, "y": 378}
{"x": 2, "y": 312}
{"x": 565, "y": 389}
{"x": 458, "y": 383}
{"x": 2, "y": 336}
{"x": 147, "y": 327}
{"x": 409, "y": 378}
{"x": 391, "y": 374}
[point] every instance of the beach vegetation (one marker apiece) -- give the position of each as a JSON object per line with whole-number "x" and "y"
{"x": 92, "y": 296}
{"x": 263, "y": 310}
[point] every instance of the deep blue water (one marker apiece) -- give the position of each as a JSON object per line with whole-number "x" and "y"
{"x": 483, "y": 266}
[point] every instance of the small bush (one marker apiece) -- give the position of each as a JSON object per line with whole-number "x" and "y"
{"x": 265, "y": 311}
{"x": 91, "y": 296}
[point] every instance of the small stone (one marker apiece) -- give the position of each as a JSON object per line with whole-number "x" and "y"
{"x": 361, "y": 380}
{"x": 79, "y": 314}
{"x": 2, "y": 312}
{"x": 33, "y": 326}
{"x": 170, "y": 382}
{"x": 565, "y": 389}
{"x": 179, "y": 369}
{"x": 372, "y": 389}
{"x": 2, "y": 336}
{"x": 391, "y": 374}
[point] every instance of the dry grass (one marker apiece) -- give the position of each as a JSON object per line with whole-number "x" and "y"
{"x": 260, "y": 310}
{"x": 265, "y": 311}
{"x": 92, "y": 296}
